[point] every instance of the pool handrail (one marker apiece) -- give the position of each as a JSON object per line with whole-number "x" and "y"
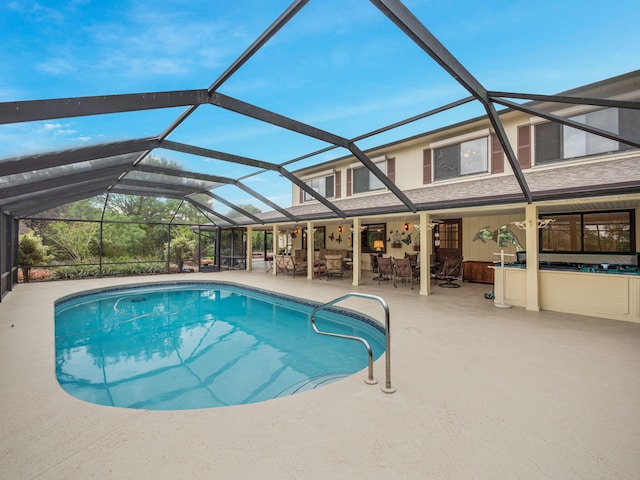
{"x": 387, "y": 388}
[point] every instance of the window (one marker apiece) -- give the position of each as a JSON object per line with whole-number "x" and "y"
{"x": 323, "y": 185}
{"x": 461, "y": 159}
{"x": 365, "y": 181}
{"x": 556, "y": 142}
{"x": 597, "y": 232}
{"x": 370, "y": 234}
{"x": 449, "y": 235}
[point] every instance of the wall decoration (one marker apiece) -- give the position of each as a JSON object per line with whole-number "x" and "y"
{"x": 503, "y": 236}
{"x": 395, "y": 238}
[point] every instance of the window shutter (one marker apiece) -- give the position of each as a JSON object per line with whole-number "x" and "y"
{"x": 349, "y": 173}
{"x": 497, "y": 155}
{"x": 301, "y": 195}
{"x": 426, "y": 165}
{"x": 524, "y": 146}
{"x": 337, "y": 179}
{"x": 391, "y": 169}
{"x": 549, "y": 144}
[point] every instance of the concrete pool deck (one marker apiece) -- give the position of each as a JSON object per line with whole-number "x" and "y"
{"x": 482, "y": 393}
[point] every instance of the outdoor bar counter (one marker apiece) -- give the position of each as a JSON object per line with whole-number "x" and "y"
{"x": 581, "y": 289}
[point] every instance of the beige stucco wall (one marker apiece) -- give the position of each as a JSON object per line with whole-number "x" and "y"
{"x": 409, "y": 155}
{"x": 612, "y": 296}
{"x": 598, "y": 295}
{"x": 515, "y": 280}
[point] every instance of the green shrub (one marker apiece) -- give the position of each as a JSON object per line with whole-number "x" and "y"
{"x": 75, "y": 272}
{"x": 182, "y": 248}
{"x": 31, "y": 252}
{"x": 131, "y": 269}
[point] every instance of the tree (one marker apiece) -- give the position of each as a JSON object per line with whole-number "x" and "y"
{"x": 86, "y": 209}
{"x": 182, "y": 248}
{"x": 74, "y": 240}
{"x": 31, "y": 252}
{"x": 257, "y": 240}
{"x": 245, "y": 206}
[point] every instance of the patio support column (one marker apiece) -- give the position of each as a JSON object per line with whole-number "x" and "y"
{"x": 355, "y": 243}
{"x": 533, "y": 294}
{"x": 425, "y": 254}
{"x": 249, "y": 262}
{"x": 275, "y": 244}
{"x": 310, "y": 250}
{"x": 637, "y": 246}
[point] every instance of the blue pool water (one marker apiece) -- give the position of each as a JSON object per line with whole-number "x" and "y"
{"x": 192, "y": 345}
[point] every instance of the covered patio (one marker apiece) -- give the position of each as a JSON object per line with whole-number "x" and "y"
{"x": 482, "y": 393}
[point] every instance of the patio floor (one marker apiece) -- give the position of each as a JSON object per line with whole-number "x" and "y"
{"x": 482, "y": 393}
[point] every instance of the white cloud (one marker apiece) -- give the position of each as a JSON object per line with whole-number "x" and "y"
{"x": 155, "y": 44}
{"x": 37, "y": 11}
{"x": 65, "y": 132}
{"x": 9, "y": 94}
{"x": 29, "y": 138}
{"x": 56, "y": 66}
{"x": 255, "y": 179}
{"x": 59, "y": 129}
{"x": 382, "y": 105}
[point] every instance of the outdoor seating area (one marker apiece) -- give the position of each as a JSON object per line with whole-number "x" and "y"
{"x": 328, "y": 263}
{"x": 389, "y": 269}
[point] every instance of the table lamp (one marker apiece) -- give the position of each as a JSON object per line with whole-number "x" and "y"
{"x": 378, "y": 245}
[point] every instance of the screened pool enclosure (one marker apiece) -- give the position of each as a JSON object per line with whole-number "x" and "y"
{"x": 199, "y": 170}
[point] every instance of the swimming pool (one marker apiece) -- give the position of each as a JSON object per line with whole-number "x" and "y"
{"x": 186, "y": 345}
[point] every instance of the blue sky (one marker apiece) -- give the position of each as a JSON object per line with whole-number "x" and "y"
{"x": 339, "y": 65}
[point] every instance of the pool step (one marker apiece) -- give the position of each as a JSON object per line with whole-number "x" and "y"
{"x": 312, "y": 383}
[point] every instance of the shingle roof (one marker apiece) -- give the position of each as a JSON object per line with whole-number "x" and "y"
{"x": 609, "y": 176}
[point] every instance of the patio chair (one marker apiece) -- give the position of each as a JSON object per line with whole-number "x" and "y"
{"x": 300, "y": 255}
{"x": 385, "y": 269}
{"x": 413, "y": 258}
{"x": 374, "y": 263}
{"x": 435, "y": 265}
{"x": 402, "y": 269}
{"x": 281, "y": 264}
{"x": 451, "y": 270}
{"x": 333, "y": 266}
{"x": 296, "y": 267}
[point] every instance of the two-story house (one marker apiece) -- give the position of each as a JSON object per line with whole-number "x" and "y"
{"x": 583, "y": 189}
